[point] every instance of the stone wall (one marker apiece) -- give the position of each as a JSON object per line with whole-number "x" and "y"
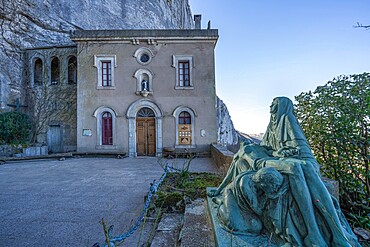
{"x": 6, "y": 150}
{"x": 221, "y": 156}
{"x": 19, "y": 151}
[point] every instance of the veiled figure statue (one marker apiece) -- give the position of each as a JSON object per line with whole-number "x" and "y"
{"x": 276, "y": 186}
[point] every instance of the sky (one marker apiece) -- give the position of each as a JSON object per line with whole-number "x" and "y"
{"x": 270, "y": 48}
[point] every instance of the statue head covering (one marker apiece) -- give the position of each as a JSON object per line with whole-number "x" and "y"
{"x": 284, "y": 130}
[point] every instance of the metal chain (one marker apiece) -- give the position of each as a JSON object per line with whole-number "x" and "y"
{"x": 153, "y": 190}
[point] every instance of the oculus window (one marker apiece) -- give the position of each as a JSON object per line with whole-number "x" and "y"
{"x": 143, "y": 55}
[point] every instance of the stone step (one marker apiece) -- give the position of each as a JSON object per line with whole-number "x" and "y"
{"x": 196, "y": 230}
{"x": 168, "y": 231}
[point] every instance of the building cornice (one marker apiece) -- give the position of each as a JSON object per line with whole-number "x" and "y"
{"x": 150, "y": 36}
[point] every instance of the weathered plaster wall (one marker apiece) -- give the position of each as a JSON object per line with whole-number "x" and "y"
{"x": 201, "y": 99}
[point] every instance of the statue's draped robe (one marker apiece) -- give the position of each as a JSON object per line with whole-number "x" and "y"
{"x": 284, "y": 132}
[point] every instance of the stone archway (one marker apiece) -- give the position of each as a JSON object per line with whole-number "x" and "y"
{"x": 132, "y": 114}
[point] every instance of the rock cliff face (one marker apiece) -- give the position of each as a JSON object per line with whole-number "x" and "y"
{"x": 35, "y": 23}
{"x": 227, "y": 135}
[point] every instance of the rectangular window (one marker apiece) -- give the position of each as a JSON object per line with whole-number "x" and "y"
{"x": 184, "y": 73}
{"x": 184, "y": 66}
{"x": 106, "y": 73}
{"x": 105, "y": 65}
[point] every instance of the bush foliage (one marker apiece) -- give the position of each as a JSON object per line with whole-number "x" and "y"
{"x": 336, "y": 121}
{"x": 14, "y": 128}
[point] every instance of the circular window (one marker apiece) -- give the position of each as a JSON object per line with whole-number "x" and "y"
{"x": 143, "y": 55}
{"x": 144, "y": 58}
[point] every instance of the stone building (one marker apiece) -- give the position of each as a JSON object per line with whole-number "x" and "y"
{"x": 39, "y": 59}
{"x": 126, "y": 91}
{"x": 51, "y": 81}
{"x": 140, "y": 91}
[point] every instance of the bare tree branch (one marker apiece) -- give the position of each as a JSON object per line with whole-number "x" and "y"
{"x": 359, "y": 25}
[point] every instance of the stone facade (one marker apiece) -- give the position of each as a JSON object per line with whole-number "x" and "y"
{"x": 221, "y": 156}
{"x": 51, "y": 81}
{"x": 147, "y": 72}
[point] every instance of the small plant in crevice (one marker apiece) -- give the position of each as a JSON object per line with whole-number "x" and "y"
{"x": 176, "y": 191}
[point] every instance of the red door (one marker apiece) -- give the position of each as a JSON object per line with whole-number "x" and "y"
{"x": 107, "y": 132}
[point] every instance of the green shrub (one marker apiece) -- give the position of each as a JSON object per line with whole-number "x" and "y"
{"x": 335, "y": 119}
{"x": 14, "y": 128}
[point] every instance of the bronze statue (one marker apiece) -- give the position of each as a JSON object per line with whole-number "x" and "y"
{"x": 303, "y": 213}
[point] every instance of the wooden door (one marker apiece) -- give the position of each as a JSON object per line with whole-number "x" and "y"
{"x": 54, "y": 139}
{"x": 145, "y": 136}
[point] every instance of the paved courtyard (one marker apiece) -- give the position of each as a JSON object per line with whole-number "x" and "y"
{"x": 60, "y": 203}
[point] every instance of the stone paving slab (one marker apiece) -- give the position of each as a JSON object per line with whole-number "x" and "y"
{"x": 197, "y": 228}
{"x": 60, "y": 203}
{"x": 168, "y": 230}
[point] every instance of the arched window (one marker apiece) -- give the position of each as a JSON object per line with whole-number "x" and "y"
{"x": 55, "y": 73}
{"x": 185, "y": 119}
{"x": 145, "y": 112}
{"x": 184, "y": 129}
{"x": 37, "y": 72}
{"x": 72, "y": 70}
{"x": 107, "y": 129}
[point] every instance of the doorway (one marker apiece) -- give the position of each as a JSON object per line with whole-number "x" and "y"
{"x": 55, "y": 139}
{"x": 145, "y": 132}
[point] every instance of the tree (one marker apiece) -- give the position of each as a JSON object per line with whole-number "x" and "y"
{"x": 14, "y": 128}
{"x": 57, "y": 102}
{"x": 336, "y": 120}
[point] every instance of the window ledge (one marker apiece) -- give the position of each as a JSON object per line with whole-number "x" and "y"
{"x": 184, "y": 88}
{"x": 106, "y": 147}
{"x": 108, "y": 88}
{"x": 140, "y": 92}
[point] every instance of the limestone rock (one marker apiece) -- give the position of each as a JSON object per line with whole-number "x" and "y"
{"x": 227, "y": 135}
